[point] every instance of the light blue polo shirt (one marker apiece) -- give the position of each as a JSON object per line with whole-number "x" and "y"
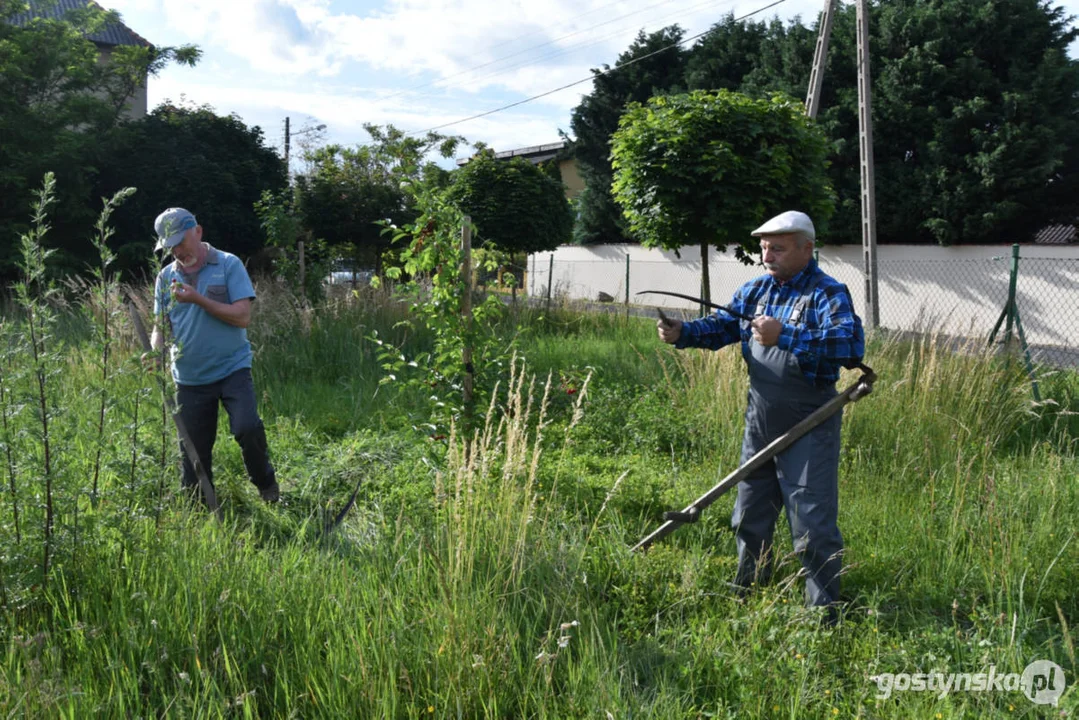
{"x": 206, "y": 349}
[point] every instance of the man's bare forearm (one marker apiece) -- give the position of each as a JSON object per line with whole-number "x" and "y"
{"x": 237, "y": 314}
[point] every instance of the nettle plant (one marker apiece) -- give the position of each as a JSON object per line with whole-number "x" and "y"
{"x": 430, "y": 266}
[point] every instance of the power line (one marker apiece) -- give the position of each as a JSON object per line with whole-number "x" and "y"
{"x": 579, "y": 46}
{"x": 596, "y": 73}
{"x": 443, "y": 80}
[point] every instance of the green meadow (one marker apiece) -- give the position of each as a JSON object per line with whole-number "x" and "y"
{"x": 488, "y": 574}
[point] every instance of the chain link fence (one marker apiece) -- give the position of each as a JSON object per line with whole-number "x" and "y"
{"x": 960, "y": 297}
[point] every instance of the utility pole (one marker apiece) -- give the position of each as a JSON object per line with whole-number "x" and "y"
{"x": 820, "y": 56}
{"x": 865, "y": 142}
{"x": 288, "y": 134}
{"x": 869, "y": 201}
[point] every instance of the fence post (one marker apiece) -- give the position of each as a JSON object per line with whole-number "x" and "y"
{"x": 303, "y": 284}
{"x": 1009, "y": 316}
{"x": 550, "y": 280}
{"x": 466, "y": 310}
{"x": 1013, "y": 281}
{"x": 627, "y": 284}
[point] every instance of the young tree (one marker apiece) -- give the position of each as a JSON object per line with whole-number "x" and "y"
{"x": 708, "y": 167}
{"x": 514, "y": 205}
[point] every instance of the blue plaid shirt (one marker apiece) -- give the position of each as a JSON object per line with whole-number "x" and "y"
{"x": 829, "y": 335}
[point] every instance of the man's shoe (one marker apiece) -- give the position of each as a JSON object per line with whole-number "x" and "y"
{"x": 270, "y": 494}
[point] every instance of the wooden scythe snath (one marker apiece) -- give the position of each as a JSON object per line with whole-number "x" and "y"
{"x": 207, "y": 488}
{"x": 857, "y": 390}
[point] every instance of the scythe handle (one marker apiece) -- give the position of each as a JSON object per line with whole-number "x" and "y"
{"x": 205, "y": 485}
{"x": 860, "y": 388}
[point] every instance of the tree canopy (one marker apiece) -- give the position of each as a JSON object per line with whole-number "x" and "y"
{"x": 515, "y": 205}
{"x": 710, "y": 166}
{"x": 596, "y": 118}
{"x": 215, "y": 166}
{"x": 975, "y": 108}
{"x": 349, "y": 191}
{"x": 58, "y": 106}
{"x": 706, "y": 167}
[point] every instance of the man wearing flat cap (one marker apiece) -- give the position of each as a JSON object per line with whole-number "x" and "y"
{"x": 804, "y": 330}
{"x": 204, "y": 296}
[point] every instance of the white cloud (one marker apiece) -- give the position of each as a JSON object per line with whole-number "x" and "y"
{"x": 410, "y": 62}
{"x": 443, "y": 38}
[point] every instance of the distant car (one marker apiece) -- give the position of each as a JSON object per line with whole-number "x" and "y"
{"x": 345, "y": 276}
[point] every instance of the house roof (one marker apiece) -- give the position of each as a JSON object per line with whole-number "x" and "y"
{"x": 535, "y": 154}
{"x": 1056, "y": 235}
{"x": 111, "y": 35}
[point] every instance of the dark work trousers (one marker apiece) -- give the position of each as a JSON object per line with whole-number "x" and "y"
{"x": 804, "y": 479}
{"x": 198, "y": 410}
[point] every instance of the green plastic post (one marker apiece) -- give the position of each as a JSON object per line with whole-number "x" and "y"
{"x": 1012, "y": 282}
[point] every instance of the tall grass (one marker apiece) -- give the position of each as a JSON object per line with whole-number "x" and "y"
{"x": 489, "y": 575}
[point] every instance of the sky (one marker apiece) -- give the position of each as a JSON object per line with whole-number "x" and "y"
{"x": 416, "y": 64}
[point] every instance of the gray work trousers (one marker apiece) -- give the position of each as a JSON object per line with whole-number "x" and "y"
{"x": 198, "y": 410}
{"x": 804, "y": 479}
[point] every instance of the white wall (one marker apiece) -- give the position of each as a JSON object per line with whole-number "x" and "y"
{"x": 959, "y": 290}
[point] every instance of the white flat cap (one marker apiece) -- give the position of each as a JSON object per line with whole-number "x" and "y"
{"x": 788, "y": 222}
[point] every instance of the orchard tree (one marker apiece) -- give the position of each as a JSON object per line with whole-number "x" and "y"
{"x": 707, "y": 167}
{"x": 515, "y": 206}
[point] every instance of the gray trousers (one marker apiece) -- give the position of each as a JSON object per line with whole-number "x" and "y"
{"x": 803, "y": 480}
{"x": 198, "y": 410}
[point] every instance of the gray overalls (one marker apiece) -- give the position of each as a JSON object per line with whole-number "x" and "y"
{"x": 804, "y": 478}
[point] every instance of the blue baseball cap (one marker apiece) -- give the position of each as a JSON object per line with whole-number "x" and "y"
{"x": 171, "y": 226}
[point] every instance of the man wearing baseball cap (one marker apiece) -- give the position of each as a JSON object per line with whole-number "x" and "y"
{"x": 203, "y": 298}
{"x": 804, "y": 330}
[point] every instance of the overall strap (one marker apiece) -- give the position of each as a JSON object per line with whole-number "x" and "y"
{"x": 807, "y": 297}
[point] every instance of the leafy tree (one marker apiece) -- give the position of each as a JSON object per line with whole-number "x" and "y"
{"x": 515, "y": 206}
{"x": 596, "y": 118}
{"x": 977, "y": 113}
{"x": 975, "y": 108}
{"x": 350, "y": 191}
{"x": 707, "y": 167}
{"x": 58, "y": 106}
{"x": 215, "y": 166}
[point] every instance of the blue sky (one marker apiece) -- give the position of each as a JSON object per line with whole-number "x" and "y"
{"x": 413, "y": 63}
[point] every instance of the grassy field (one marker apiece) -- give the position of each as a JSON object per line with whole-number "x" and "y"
{"x": 490, "y": 576}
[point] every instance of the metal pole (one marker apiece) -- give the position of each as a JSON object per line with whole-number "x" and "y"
{"x": 869, "y": 203}
{"x": 550, "y": 280}
{"x": 627, "y": 283}
{"x": 288, "y": 173}
{"x": 820, "y": 55}
{"x": 466, "y": 309}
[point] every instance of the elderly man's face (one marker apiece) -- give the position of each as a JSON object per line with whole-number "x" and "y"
{"x": 189, "y": 251}
{"x": 784, "y": 256}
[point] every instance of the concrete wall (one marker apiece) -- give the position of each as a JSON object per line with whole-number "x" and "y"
{"x": 958, "y": 290}
{"x": 571, "y": 178}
